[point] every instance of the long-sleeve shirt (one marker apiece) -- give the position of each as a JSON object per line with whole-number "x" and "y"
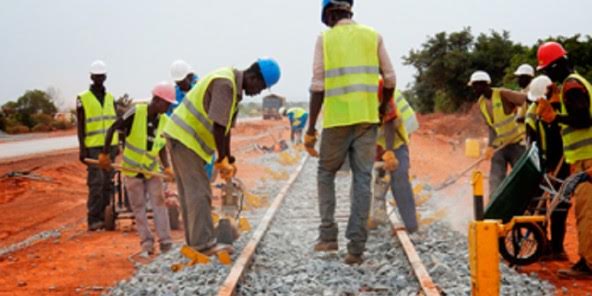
{"x": 318, "y": 78}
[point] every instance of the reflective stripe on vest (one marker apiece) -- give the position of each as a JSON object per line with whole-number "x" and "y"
{"x": 577, "y": 143}
{"x": 97, "y": 119}
{"x": 536, "y": 125}
{"x": 407, "y": 113}
{"x": 190, "y": 124}
{"x": 135, "y": 153}
{"x": 507, "y": 130}
{"x": 351, "y": 62}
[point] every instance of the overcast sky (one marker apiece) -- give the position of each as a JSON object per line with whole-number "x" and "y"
{"x": 52, "y": 43}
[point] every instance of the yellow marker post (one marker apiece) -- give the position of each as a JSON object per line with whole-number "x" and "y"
{"x": 484, "y": 257}
{"x": 478, "y": 195}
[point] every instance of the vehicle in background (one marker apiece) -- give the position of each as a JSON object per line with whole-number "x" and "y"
{"x": 271, "y": 105}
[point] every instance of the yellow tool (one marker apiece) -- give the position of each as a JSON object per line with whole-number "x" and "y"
{"x": 196, "y": 257}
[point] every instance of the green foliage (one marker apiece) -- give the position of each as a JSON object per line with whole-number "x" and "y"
{"x": 445, "y": 62}
{"x": 32, "y": 108}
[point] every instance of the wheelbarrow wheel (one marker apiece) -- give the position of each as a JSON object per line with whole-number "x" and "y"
{"x": 174, "y": 219}
{"x": 110, "y": 217}
{"x": 524, "y": 244}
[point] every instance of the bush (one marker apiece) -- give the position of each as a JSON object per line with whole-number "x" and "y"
{"x": 61, "y": 125}
{"x": 41, "y": 118}
{"x": 17, "y": 129}
{"x": 41, "y": 128}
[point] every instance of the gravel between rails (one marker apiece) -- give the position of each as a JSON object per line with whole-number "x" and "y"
{"x": 157, "y": 278}
{"x": 285, "y": 263}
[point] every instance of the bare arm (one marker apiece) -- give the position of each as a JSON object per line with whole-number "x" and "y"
{"x": 316, "y": 103}
{"x": 220, "y": 138}
{"x": 117, "y": 125}
{"x": 389, "y": 134}
{"x": 513, "y": 98}
{"x": 164, "y": 157}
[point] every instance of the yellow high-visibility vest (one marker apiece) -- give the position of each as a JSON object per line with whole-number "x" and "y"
{"x": 136, "y": 155}
{"x": 577, "y": 143}
{"x": 406, "y": 113}
{"x": 97, "y": 119}
{"x": 507, "y": 130}
{"x": 351, "y": 75}
{"x": 190, "y": 123}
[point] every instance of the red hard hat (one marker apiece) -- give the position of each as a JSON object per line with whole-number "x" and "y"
{"x": 548, "y": 53}
{"x": 165, "y": 91}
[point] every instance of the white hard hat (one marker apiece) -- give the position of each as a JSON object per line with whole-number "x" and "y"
{"x": 98, "y": 67}
{"x": 180, "y": 69}
{"x": 525, "y": 69}
{"x": 479, "y": 76}
{"x": 282, "y": 110}
{"x": 538, "y": 88}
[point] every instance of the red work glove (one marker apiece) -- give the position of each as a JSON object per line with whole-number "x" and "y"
{"x": 545, "y": 111}
{"x": 104, "y": 161}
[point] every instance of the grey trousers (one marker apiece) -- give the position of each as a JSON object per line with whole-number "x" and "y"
{"x": 402, "y": 191}
{"x": 195, "y": 195}
{"x": 141, "y": 191}
{"x": 509, "y": 155}
{"x": 100, "y": 186}
{"x": 356, "y": 143}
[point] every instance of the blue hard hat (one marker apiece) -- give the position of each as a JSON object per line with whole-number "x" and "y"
{"x": 270, "y": 70}
{"x": 327, "y": 2}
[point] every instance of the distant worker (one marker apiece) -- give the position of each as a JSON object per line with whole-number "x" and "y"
{"x": 575, "y": 119}
{"x": 96, "y": 112}
{"x": 142, "y": 126}
{"x": 547, "y": 137}
{"x": 348, "y": 60}
{"x": 298, "y": 118}
{"x": 393, "y": 149}
{"x": 197, "y": 129}
{"x": 498, "y": 107}
{"x": 184, "y": 78}
{"x": 524, "y": 74}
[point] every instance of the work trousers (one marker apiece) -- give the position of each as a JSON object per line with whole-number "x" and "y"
{"x": 356, "y": 143}
{"x": 508, "y": 155}
{"x": 195, "y": 195}
{"x": 140, "y": 192}
{"x": 402, "y": 191}
{"x": 100, "y": 186}
{"x": 583, "y": 208}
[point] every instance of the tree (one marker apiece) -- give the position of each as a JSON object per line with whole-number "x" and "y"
{"x": 32, "y": 103}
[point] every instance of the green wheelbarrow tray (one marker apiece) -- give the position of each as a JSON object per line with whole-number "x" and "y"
{"x": 515, "y": 193}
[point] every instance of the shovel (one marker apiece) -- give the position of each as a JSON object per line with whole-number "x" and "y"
{"x": 120, "y": 168}
{"x": 452, "y": 179}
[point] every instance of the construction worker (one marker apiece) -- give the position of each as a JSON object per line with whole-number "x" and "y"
{"x": 575, "y": 119}
{"x": 142, "y": 126}
{"x": 393, "y": 149}
{"x": 199, "y": 128}
{"x": 547, "y": 137}
{"x": 298, "y": 117}
{"x": 184, "y": 78}
{"x": 524, "y": 74}
{"x": 95, "y": 110}
{"x": 498, "y": 107}
{"x": 348, "y": 60}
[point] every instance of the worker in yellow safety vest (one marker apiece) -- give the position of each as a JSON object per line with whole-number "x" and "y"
{"x": 200, "y": 127}
{"x": 298, "y": 118}
{"x": 498, "y": 107}
{"x": 347, "y": 62}
{"x": 142, "y": 126}
{"x": 547, "y": 137}
{"x": 524, "y": 75}
{"x": 575, "y": 119}
{"x": 95, "y": 110}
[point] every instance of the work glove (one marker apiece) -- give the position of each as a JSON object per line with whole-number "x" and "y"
{"x": 545, "y": 111}
{"x": 489, "y": 151}
{"x": 391, "y": 163}
{"x": 309, "y": 144}
{"x": 226, "y": 170}
{"x": 104, "y": 161}
{"x": 169, "y": 172}
{"x": 171, "y": 202}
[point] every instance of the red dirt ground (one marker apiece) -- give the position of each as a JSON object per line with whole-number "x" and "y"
{"x": 74, "y": 263}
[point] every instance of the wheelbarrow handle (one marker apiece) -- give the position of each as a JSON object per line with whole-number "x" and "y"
{"x": 120, "y": 168}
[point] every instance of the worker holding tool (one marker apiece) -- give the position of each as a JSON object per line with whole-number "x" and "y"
{"x": 498, "y": 107}
{"x": 575, "y": 119}
{"x": 348, "y": 60}
{"x": 95, "y": 110}
{"x": 524, "y": 74}
{"x": 198, "y": 128}
{"x": 184, "y": 78}
{"x": 298, "y": 117}
{"x": 142, "y": 126}
{"x": 547, "y": 137}
{"x": 392, "y": 148}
